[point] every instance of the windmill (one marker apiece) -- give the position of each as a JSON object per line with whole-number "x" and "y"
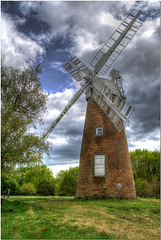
{"x": 104, "y": 168}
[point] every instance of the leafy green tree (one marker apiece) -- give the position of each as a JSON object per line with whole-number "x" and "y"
{"x": 19, "y": 174}
{"x": 28, "y": 189}
{"x": 68, "y": 183}
{"x": 58, "y": 180}
{"x": 42, "y": 178}
{"x": 46, "y": 187}
{"x": 146, "y": 169}
{"x": 22, "y": 92}
{"x": 23, "y": 103}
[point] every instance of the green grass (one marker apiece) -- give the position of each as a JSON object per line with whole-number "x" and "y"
{"x": 71, "y": 218}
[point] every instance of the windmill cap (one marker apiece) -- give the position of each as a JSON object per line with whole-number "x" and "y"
{"x": 109, "y": 84}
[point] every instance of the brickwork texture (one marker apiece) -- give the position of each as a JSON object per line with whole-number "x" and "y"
{"x": 113, "y": 145}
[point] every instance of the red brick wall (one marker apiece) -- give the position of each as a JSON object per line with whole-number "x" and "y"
{"x": 114, "y": 146}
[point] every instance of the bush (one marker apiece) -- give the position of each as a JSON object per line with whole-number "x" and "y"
{"x": 149, "y": 189}
{"x": 152, "y": 188}
{"x": 28, "y": 189}
{"x": 140, "y": 186}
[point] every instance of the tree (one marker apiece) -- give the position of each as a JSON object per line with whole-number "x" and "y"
{"x": 58, "y": 179}
{"x": 42, "y": 178}
{"x": 68, "y": 183}
{"x": 146, "y": 169}
{"x": 145, "y": 163}
{"x": 46, "y": 187}
{"x": 23, "y": 103}
{"x": 19, "y": 174}
{"x": 22, "y": 92}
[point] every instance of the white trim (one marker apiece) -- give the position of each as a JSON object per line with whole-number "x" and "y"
{"x": 97, "y": 131}
{"x": 99, "y": 165}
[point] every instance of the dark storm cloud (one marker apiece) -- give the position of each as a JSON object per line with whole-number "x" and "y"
{"x": 71, "y": 20}
{"x": 149, "y": 8}
{"x": 146, "y": 117}
{"x": 69, "y": 151}
{"x": 66, "y": 154}
{"x": 141, "y": 57}
{"x": 154, "y": 138}
{"x": 131, "y": 145}
{"x": 69, "y": 129}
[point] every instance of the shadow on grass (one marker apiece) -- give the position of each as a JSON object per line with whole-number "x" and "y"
{"x": 13, "y": 206}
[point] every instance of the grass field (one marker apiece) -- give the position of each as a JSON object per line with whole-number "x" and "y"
{"x": 71, "y": 218}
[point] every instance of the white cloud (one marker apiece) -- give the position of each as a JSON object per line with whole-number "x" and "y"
{"x": 41, "y": 38}
{"x": 149, "y": 144}
{"x": 109, "y": 19}
{"x": 17, "y": 49}
{"x": 56, "y": 103}
{"x": 58, "y": 66}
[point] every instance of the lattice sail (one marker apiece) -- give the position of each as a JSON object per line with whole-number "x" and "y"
{"x": 77, "y": 69}
{"x": 118, "y": 41}
{"x": 114, "y": 106}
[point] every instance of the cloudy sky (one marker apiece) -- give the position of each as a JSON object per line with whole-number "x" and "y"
{"x": 49, "y": 32}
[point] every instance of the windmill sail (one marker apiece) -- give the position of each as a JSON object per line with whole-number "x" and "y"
{"x": 117, "y": 42}
{"x": 77, "y": 69}
{"x": 113, "y": 105}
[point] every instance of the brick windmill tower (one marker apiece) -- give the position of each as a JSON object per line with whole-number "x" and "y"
{"x": 105, "y": 168}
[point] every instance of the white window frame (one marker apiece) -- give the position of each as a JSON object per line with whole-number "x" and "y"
{"x": 98, "y": 129}
{"x": 118, "y": 185}
{"x": 99, "y": 165}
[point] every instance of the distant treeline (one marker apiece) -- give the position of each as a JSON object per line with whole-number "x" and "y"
{"x": 39, "y": 180}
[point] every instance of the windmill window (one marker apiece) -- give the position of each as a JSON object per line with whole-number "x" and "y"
{"x": 99, "y": 131}
{"x": 118, "y": 185}
{"x": 99, "y": 165}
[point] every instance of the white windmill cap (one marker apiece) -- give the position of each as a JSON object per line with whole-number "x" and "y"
{"x": 110, "y": 84}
